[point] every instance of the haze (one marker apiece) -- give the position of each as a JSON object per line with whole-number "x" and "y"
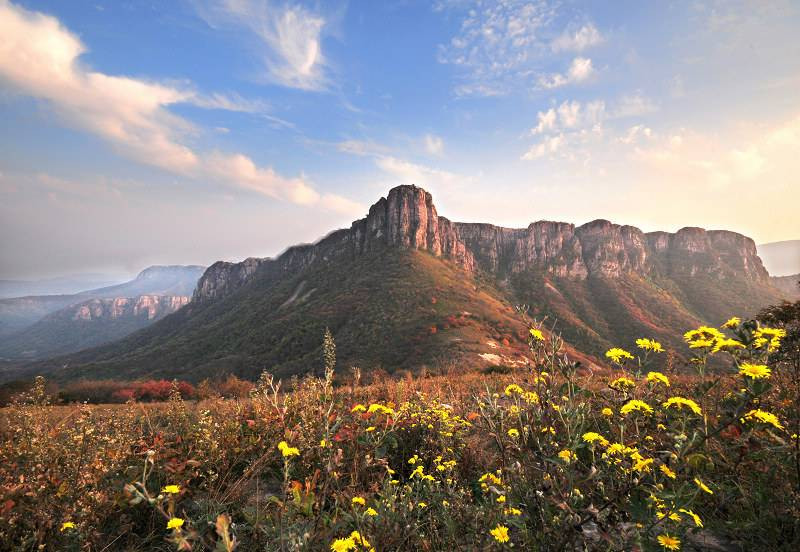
{"x": 188, "y": 132}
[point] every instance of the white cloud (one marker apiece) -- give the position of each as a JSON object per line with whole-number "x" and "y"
{"x": 434, "y": 145}
{"x": 570, "y": 115}
{"x": 289, "y": 36}
{"x": 549, "y": 146}
{"x": 635, "y": 133}
{"x": 499, "y": 44}
{"x": 580, "y": 70}
{"x": 577, "y": 41}
{"x": 40, "y": 58}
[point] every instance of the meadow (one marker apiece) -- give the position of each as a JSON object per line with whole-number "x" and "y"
{"x": 658, "y": 453}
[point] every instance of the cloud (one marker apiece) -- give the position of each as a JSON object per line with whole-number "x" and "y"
{"x": 570, "y": 115}
{"x": 633, "y": 105}
{"x": 432, "y": 179}
{"x": 580, "y": 70}
{"x": 549, "y": 146}
{"x": 289, "y": 38}
{"x": 577, "y": 41}
{"x": 39, "y": 57}
{"x": 498, "y": 44}
{"x": 434, "y": 145}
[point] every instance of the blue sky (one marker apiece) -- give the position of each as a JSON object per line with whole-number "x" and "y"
{"x": 190, "y": 131}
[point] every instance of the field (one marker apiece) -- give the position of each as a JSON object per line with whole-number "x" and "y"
{"x": 648, "y": 456}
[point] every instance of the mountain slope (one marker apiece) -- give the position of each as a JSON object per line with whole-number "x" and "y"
{"x": 781, "y": 258}
{"x": 88, "y": 324}
{"x": 21, "y": 312}
{"x": 405, "y": 287}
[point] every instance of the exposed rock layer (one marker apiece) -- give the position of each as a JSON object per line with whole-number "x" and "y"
{"x": 407, "y": 218}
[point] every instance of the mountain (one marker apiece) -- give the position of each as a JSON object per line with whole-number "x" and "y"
{"x": 88, "y": 324}
{"x": 19, "y": 313}
{"x": 405, "y": 288}
{"x": 781, "y": 258}
{"x": 789, "y": 285}
{"x": 63, "y": 285}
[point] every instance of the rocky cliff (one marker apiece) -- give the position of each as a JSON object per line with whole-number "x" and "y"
{"x": 407, "y": 218}
{"x": 87, "y": 324}
{"x": 149, "y": 306}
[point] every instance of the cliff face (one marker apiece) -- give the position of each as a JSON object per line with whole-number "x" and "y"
{"x": 151, "y": 306}
{"x": 407, "y": 218}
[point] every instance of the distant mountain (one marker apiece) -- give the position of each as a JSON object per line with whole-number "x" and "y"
{"x": 19, "y": 313}
{"x": 405, "y": 288}
{"x": 789, "y": 285}
{"x": 64, "y": 285}
{"x": 88, "y": 324}
{"x": 781, "y": 258}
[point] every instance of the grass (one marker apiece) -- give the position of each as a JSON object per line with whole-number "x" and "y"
{"x": 545, "y": 457}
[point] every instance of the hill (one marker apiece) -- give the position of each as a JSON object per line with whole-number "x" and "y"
{"x": 88, "y": 324}
{"x": 19, "y": 313}
{"x": 405, "y": 288}
{"x": 781, "y": 258}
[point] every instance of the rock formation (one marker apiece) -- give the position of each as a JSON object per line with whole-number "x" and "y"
{"x": 407, "y": 218}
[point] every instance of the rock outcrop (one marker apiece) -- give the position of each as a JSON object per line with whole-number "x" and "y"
{"x": 151, "y": 306}
{"x": 407, "y": 218}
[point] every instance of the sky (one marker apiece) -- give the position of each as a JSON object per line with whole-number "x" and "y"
{"x": 191, "y": 131}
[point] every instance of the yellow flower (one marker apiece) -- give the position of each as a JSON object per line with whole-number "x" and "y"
{"x": 343, "y": 545}
{"x": 650, "y": 345}
{"x": 754, "y": 371}
{"x": 358, "y": 408}
{"x": 669, "y": 543}
{"x": 356, "y": 537}
{"x": 375, "y": 407}
{"x": 703, "y": 333}
{"x": 732, "y": 322}
{"x": 592, "y": 437}
{"x": 566, "y": 455}
{"x": 618, "y": 355}
{"x": 657, "y": 377}
{"x": 512, "y": 512}
{"x": 500, "y": 533}
{"x": 513, "y": 388}
{"x": 323, "y": 443}
{"x": 286, "y": 450}
{"x": 666, "y": 471}
{"x": 607, "y": 412}
{"x": 371, "y": 512}
{"x": 174, "y": 523}
{"x": 763, "y": 417}
{"x": 422, "y": 505}
{"x": 67, "y": 525}
{"x": 537, "y": 334}
{"x": 513, "y": 433}
{"x": 680, "y": 402}
{"x": 171, "y": 489}
{"x": 703, "y": 487}
{"x": 769, "y": 335}
{"x": 697, "y": 521}
{"x": 726, "y": 344}
{"x": 643, "y": 465}
{"x": 358, "y": 500}
{"x": 370, "y": 429}
{"x": 635, "y": 404}
{"x": 622, "y": 384}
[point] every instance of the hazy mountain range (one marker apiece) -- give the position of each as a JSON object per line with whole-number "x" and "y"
{"x": 40, "y": 326}
{"x": 405, "y": 288}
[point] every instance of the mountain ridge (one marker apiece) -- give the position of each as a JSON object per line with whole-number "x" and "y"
{"x": 406, "y": 289}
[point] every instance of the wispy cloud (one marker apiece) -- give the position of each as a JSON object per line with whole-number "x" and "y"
{"x": 498, "y": 43}
{"x": 39, "y": 57}
{"x": 577, "y": 40}
{"x": 434, "y": 145}
{"x": 289, "y": 38}
{"x": 580, "y": 70}
{"x": 505, "y": 45}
